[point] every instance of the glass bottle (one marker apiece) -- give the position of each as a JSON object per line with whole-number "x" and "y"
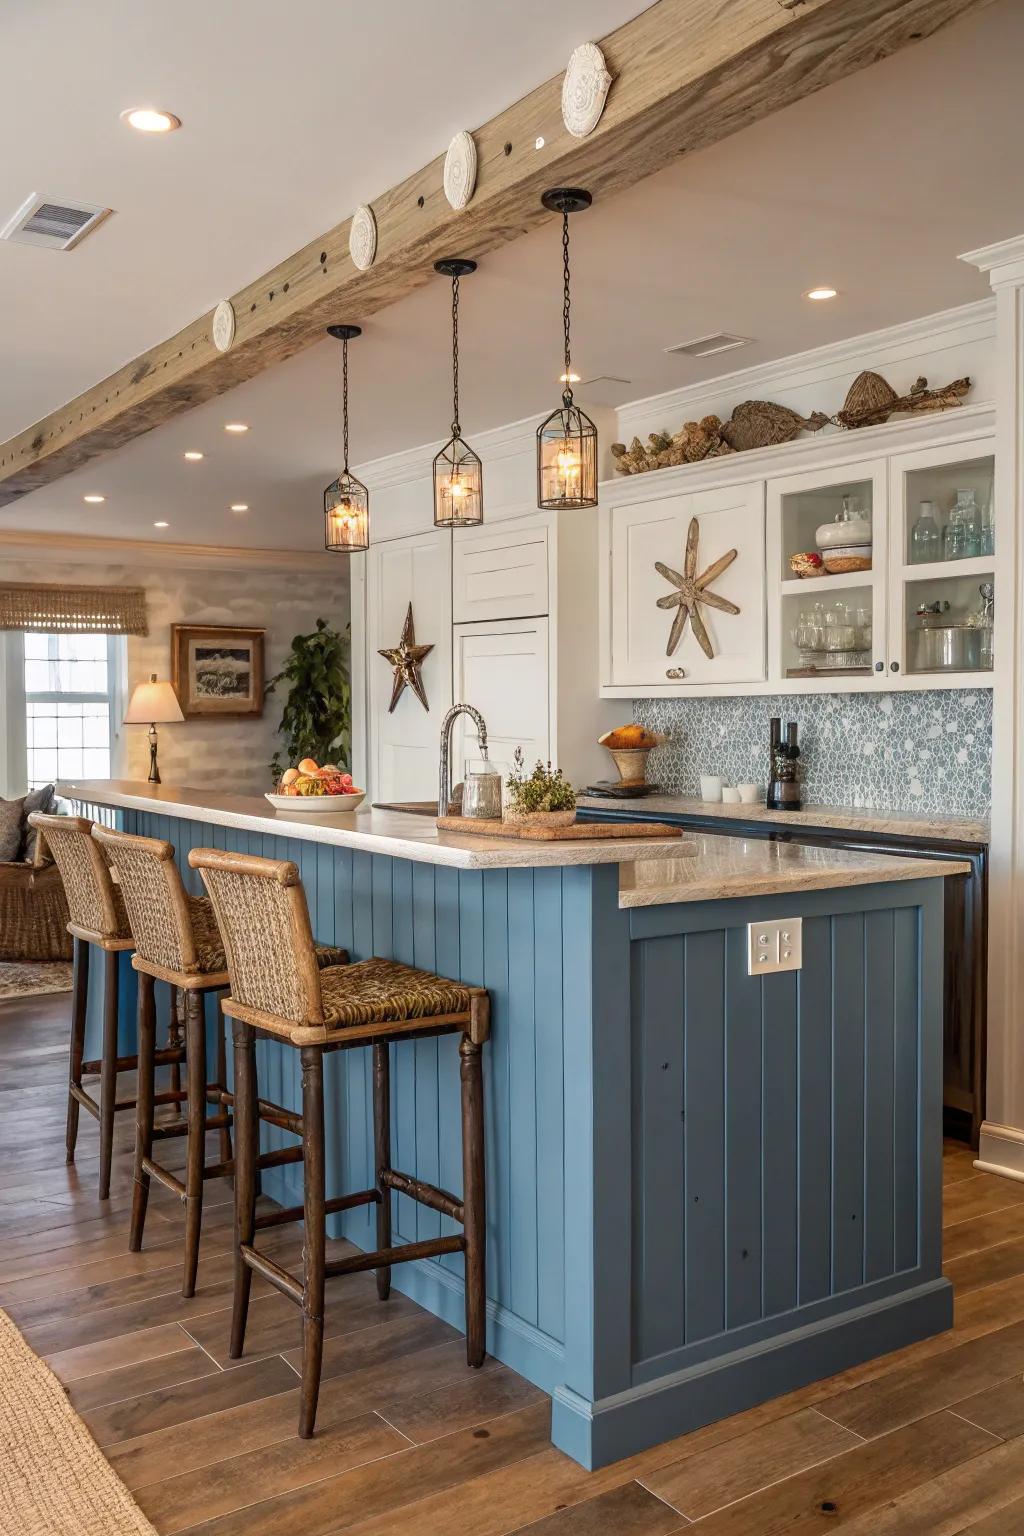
{"x": 988, "y": 526}
{"x": 925, "y": 538}
{"x": 955, "y": 537}
{"x": 986, "y": 624}
{"x": 774, "y": 763}
{"x": 971, "y": 515}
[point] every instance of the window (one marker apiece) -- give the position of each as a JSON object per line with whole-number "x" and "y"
{"x": 59, "y": 700}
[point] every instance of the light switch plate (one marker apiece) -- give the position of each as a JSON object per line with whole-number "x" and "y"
{"x": 774, "y": 946}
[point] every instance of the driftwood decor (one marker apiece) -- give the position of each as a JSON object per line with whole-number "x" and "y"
{"x": 692, "y": 591}
{"x": 871, "y": 400}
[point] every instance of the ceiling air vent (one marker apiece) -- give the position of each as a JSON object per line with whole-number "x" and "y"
{"x": 707, "y": 346}
{"x": 48, "y": 221}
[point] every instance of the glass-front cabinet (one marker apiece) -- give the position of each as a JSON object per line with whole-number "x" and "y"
{"x": 881, "y": 572}
{"x": 943, "y": 564}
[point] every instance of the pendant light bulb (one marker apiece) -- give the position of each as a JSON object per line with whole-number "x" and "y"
{"x": 567, "y": 439}
{"x": 346, "y": 499}
{"x": 458, "y": 471}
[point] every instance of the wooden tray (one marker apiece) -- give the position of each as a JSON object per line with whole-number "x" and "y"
{"x": 578, "y": 830}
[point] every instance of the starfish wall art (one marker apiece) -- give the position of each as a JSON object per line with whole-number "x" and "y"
{"x": 692, "y": 592}
{"x": 407, "y": 659}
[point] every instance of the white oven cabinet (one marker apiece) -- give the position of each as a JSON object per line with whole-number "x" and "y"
{"x": 402, "y": 756}
{"x": 502, "y": 668}
{"x": 500, "y": 572}
{"x": 646, "y": 528}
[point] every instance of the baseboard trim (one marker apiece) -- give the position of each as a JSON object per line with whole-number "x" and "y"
{"x": 1001, "y": 1150}
{"x": 605, "y": 1431}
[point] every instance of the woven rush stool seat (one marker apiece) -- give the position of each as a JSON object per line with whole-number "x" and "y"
{"x": 278, "y": 991}
{"x": 98, "y": 919}
{"x": 177, "y": 941}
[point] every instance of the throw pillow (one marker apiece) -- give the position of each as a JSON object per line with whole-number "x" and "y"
{"x": 10, "y": 831}
{"x": 35, "y": 800}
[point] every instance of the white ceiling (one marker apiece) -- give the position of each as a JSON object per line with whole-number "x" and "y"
{"x": 873, "y": 185}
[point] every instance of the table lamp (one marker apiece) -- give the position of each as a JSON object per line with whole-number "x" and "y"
{"x": 153, "y": 703}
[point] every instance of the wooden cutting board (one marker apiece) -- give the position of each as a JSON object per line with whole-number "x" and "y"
{"x": 578, "y": 831}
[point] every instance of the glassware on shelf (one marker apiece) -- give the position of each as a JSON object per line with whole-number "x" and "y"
{"x": 925, "y": 536}
{"x": 983, "y": 619}
{"x": 963, "y": 531}
{"x": 481, "y": 791}
{"x": 834, "y": 638}
{"x": 988, "y": 526}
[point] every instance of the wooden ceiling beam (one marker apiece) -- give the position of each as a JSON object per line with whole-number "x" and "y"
{"x": 686, "y": 73}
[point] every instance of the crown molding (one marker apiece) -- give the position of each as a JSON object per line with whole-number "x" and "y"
{"x": 875, "y": 349}
{"x": 22, "y": 544}
{"x": 1003, "y": 261}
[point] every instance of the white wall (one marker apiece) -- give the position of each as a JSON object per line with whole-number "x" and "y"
{"x": 284, "y": 602}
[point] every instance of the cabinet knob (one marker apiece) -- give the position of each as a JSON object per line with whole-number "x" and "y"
{"x": 894, "y": 666}
{"x": 879, "y": 666}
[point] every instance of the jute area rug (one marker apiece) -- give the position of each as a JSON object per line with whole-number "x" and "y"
{"x": 54, "y": 1480}
{"x": 28, "y": 978}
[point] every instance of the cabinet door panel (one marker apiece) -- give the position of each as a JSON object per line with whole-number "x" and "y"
{"x": 500, "y": 575}
{"x": 502, "y": 669}
{"x": 650, "y": 531}
{"x": 404, "y": 751}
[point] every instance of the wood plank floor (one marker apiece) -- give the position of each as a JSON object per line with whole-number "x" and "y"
{"x": 928, "y": 1441}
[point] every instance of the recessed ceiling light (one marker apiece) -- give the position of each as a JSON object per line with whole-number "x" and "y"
{"x": 150, "y": 120}
{"x": 193, "y": 454}
{"x": 94, "y": 500}
{"x": 236, "y": 426}
{"x": 821, "y": 293}
{"x": 239, "y": 506}
{"x": 161, "y": 525}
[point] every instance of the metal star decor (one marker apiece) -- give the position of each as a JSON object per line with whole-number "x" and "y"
{"x": 693, "y": 591}
{"x": 407, "y": 658}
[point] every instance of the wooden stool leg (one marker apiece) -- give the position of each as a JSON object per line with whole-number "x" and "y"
{"x": 108, "y": 1068}
{"x": 143, "y": 1108}
{"x": 222, "y": 1083}
{"x": 246, "y": 1148}
{"x": 314, "y": 1239}
{"x": 382, "y": 1141}
{"x": 175, "y": 1039}
{"x": 78, "y": 1010}
{"x": 195, "y": 1157}
{"x": 473, "y": 1198}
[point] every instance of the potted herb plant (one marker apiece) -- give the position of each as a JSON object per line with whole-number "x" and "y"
{"x": 541, "y": 798}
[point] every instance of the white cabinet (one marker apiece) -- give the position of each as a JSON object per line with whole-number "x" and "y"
{"x": 404, "y": 743}
{"x": 502, "y": 668}
{"x": 500, "y": 573}
{"x": 649, "y": 529}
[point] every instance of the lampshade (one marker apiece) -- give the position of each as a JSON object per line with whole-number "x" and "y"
{"x": 153, "y": 703}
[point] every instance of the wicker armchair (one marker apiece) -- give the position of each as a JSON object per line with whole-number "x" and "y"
{"x": 33, "y": 910}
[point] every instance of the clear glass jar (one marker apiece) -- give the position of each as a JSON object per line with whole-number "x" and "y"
{"x": 925, "y": 537}
{"x": 481, "y": 791}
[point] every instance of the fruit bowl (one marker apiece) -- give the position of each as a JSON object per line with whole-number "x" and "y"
{"x": 323, "y": 805}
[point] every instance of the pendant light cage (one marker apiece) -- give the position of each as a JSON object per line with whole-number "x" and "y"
{"x": 346, "y": 499}
{"x": 458, "y": 471}
{"x": 567, "y": 439}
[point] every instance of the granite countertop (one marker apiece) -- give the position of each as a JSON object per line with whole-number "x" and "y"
{"x": 850, "y": 818}
{"x": 736, "y": 866}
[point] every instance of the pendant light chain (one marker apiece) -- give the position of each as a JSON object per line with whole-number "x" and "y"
{"x": 456, "y": 428}
{"x": 344, "y": 398}
{"x": 566, "y": 302}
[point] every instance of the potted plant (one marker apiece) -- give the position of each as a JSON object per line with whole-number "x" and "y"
{"x": 316, "y": 721}
{"x": 542, "y": 798}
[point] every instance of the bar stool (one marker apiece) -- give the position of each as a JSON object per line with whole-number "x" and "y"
{"x": 278, "y": 992}
{"x": 98, "y": 917}
{"x": 177, "y": 941}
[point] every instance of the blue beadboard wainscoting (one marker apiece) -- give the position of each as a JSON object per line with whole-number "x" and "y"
{"x": 704, "y": 1188}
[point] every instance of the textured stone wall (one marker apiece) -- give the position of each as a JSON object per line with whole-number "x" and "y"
{"x": 230, "y": 754}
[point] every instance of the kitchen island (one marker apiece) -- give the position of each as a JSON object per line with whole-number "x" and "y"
{"x": 705, "y": 1186}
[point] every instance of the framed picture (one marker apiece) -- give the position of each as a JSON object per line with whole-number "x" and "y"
{"x": 217, "y": 670}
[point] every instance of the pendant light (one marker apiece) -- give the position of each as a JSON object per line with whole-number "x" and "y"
{"x": 567, "y": 440}
{"x": 458, "y": 471}
{"x": 346, "y": 500}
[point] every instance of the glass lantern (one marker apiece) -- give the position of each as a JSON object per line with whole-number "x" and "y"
{"x": 346, "y": 515}
{"x": 567, "y": 459}
{"x": 458, "y": 486}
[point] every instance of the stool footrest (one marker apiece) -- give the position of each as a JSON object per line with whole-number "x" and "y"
{"x": 86, "y": 1100}
{"x": 166, "y": 1056}
{"x": 426, "y": 1194}
{"x": 401, "y": 1255}
{"x": 162, "y": 1176}
{"x": 297, "y": 1212}
{"x": 284, "y": 1119}
{"x": 273, "y": 1272}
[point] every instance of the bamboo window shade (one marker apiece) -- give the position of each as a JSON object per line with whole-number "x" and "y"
{"x": 73, "y": 610}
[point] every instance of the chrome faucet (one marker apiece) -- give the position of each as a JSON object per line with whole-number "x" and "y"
{"x": 444, "y": 791}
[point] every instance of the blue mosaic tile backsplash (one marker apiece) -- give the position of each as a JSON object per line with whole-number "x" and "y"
{"x": 925, "y": 752}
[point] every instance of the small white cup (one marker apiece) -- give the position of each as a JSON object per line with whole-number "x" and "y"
{"x": 711, "y": 786}
{"x": 749, "y": 793}
{"x": 729, "y": 795}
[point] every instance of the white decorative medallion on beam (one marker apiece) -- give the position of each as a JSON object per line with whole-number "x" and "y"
{"x": 362, "y": 238}
{"x": 224, "y": 325}
{"x": 584, "y": 90}
{"x": 460, "y": 170}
